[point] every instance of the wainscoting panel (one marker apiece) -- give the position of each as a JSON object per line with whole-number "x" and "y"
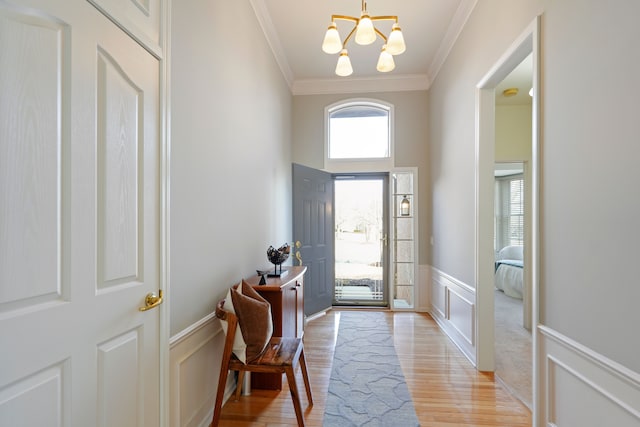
{"x": 461, "y": 315}
{"x": 453, "y": 307}
{"x": 195, "y": 358}
{"x": 580, "y": 387}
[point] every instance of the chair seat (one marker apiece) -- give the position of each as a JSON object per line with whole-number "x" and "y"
{"x": 280, "y": 352}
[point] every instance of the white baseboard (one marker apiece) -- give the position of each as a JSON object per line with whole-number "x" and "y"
{"x": 195, "y": 357}
{"x": 581, "y": 387}
{"x": 316, "y": 315}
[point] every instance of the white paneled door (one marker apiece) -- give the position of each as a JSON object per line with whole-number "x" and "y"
{"x": 80, "y": 231}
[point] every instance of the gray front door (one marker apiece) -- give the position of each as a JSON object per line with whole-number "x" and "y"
{"x": 313, "y": 235}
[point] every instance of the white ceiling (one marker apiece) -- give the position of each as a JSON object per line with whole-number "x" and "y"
{"x": 295, "y": 30}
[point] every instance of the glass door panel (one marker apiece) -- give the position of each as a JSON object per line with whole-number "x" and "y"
{"x": 360, "y": 240}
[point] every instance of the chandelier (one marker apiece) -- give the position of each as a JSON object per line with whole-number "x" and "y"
{"x": 366, "y": 34}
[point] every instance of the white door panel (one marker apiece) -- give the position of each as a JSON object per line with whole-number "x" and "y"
{"x": 31, "y": 55}
{"x": 141, "y": 18}
{"x": 79, "y": 219}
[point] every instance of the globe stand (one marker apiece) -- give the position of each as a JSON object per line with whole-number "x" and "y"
{"x": 277, "y": 257}
{"x": 277, "y": 273}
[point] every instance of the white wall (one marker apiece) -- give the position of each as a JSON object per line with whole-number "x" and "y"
{"x": 230, "y": 182}
{"x": 230, "y": 153}
{"x": 589, "y": 369}
{"x": 591, "y": 205}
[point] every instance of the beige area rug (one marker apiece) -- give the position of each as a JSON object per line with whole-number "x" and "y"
{"x": 513, "y": 348}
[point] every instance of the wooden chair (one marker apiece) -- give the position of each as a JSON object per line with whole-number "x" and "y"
{"x": 281, "y": 355}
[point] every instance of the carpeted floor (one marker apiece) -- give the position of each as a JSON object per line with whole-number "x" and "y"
{"x": 367, "y": 386}
{"x": 513, "y": 348}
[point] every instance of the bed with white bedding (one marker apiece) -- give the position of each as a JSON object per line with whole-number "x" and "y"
{"x": 509, "y": 271}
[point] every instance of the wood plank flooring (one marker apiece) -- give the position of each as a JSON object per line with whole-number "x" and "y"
{"x": 447, "y": 390}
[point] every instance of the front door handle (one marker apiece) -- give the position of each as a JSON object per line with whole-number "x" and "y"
{"x": 298, "y": 255}
{"x": 152, "y": 301}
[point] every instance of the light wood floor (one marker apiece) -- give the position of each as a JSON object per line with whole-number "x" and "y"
{"x": 446, "y": 389}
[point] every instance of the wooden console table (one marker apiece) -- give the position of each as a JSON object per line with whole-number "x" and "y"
{"x": 286, "y": 296}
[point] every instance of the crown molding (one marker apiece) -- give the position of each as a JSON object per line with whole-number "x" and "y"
{"x": 396, "y": 83}
{"x": 456, "y": 26}
{"x": 269, "y": 30}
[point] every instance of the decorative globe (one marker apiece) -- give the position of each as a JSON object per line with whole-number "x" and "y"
{"x": 280, "y": 255}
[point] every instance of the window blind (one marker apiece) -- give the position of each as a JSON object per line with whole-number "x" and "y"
{"x": 509, "y": 212}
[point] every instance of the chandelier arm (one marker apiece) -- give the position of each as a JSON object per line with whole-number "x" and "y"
{"x": 345, "y": 18}
{"x": 353, "y": 30}
{"x": 384, "y": 18}
{"x": 378, "y": 32}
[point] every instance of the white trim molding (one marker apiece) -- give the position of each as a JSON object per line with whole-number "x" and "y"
{"x": 453, "y": 32}
{"x": 269, "y": 30}
{"x": 580, "y": 387}
{"x": 394, "y": 83}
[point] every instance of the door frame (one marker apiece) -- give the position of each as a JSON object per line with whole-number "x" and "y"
{"x": 163, "y": 54}
{"x": 384, "y": 176}
{"x": 165, "y": 223}
{"x": 165, "y": 216}
{"x": 527, "y": 43}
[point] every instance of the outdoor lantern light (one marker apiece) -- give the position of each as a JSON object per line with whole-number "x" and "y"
{"x": 405, "y": 206}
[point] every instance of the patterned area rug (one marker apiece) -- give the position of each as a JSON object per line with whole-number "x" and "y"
{"x": 367, "y": 387}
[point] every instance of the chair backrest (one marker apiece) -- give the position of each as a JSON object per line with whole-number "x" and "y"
{"x": 232, "y": 321}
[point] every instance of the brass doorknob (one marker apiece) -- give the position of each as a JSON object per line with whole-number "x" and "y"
{"x": 152, "y": 301}
{"x": 299, "y": 257}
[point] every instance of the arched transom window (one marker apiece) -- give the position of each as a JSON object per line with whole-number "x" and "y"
{"x": 359, "y": 130}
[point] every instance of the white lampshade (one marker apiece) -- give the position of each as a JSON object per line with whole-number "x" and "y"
{"x": 385, "y": 61}
{"x": 332, "y": 43}
{"x": 395, "y": 44}
{"x": 344, "y": 68}
{"x": 365, "y": 34}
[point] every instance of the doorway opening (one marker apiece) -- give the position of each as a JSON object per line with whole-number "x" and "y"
{"x": 513, "y": 344}
{"x": 361, "y": 240}
{"x": 486, "y": 132}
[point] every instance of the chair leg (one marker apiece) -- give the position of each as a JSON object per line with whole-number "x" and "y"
{"x": 305, "y": 377}
{"x": 222, "y": 382}
{"x": 295, "y": 396}
{"x": 240, "y": 384}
